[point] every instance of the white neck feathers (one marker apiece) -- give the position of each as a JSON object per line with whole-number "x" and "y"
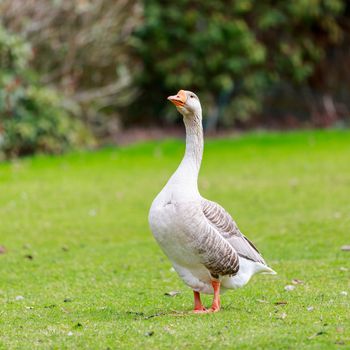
{"x": 187, "y": 172}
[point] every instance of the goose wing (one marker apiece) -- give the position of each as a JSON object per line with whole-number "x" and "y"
{"x": 222, "y": 221}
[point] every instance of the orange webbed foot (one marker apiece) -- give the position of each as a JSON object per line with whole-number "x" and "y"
{"x": 215, "y": 307}
{"x": 200, "y": 310}
{"x": 198, "y": 306}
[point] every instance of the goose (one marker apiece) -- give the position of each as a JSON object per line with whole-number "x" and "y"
{"x": 206, "y": 248}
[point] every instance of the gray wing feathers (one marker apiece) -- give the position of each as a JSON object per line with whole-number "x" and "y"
{"x": 223, "y": 222}
{"x": 213, "y": 250}
{"x": 220, "y": 259}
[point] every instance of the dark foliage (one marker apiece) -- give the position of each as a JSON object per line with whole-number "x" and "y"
{"x": 31, "y": 117}
{"x": 233, "y": 52}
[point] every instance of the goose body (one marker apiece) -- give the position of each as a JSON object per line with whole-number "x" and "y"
{"x": 200, "y": 238}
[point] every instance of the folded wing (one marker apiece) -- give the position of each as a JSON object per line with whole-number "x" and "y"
{"x": 222, "y": 221}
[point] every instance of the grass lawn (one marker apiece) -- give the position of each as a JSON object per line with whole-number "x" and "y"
{"x": 82, "y": 271}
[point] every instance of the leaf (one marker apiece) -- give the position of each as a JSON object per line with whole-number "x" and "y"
{"x": 316, "y": 334}
{"x": 297, "y": 281}
{"x": 135, "y": 313}
{"x": 169, "y": 330}
{"x": 172, "y": 293}
{"x": 149, "y": 334}
{"x": 289, "y": 288}
{"x": 282, "y": 302}
{"x": 261, "y": 301}
{"x": 154, "y": 315}
{"x": 282, "y": 316}
{"x": 2, "y": 249}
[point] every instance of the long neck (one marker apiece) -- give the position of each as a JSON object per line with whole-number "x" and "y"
{"x": 188, "y": 170}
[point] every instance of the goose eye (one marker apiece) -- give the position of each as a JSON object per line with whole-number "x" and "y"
{"x": 191, "y": 96}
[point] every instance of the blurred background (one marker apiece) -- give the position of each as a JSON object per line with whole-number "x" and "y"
{"x": 83, "y": 73}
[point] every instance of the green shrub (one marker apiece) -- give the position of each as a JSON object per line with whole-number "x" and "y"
{"x": 32, "y": 118}
{"x": 82, "y": 49}
{"x": 231, "y": 52}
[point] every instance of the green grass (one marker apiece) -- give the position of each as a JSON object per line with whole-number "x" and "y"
{"x": 97, "y": 278}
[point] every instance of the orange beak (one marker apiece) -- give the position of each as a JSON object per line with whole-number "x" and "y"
{"x": 179, "y": 99}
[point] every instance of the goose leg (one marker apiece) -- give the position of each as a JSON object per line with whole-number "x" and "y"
{"x": 198, "y": 306}
{"x": 215, "y": 307}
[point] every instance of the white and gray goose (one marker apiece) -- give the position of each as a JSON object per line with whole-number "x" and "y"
{"x": 204, "y": 244}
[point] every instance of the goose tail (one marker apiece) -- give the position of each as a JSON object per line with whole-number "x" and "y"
{"x": 267, "y": 271}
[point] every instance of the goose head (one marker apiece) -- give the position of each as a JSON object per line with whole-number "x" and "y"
{"x": 187, "y": 103}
